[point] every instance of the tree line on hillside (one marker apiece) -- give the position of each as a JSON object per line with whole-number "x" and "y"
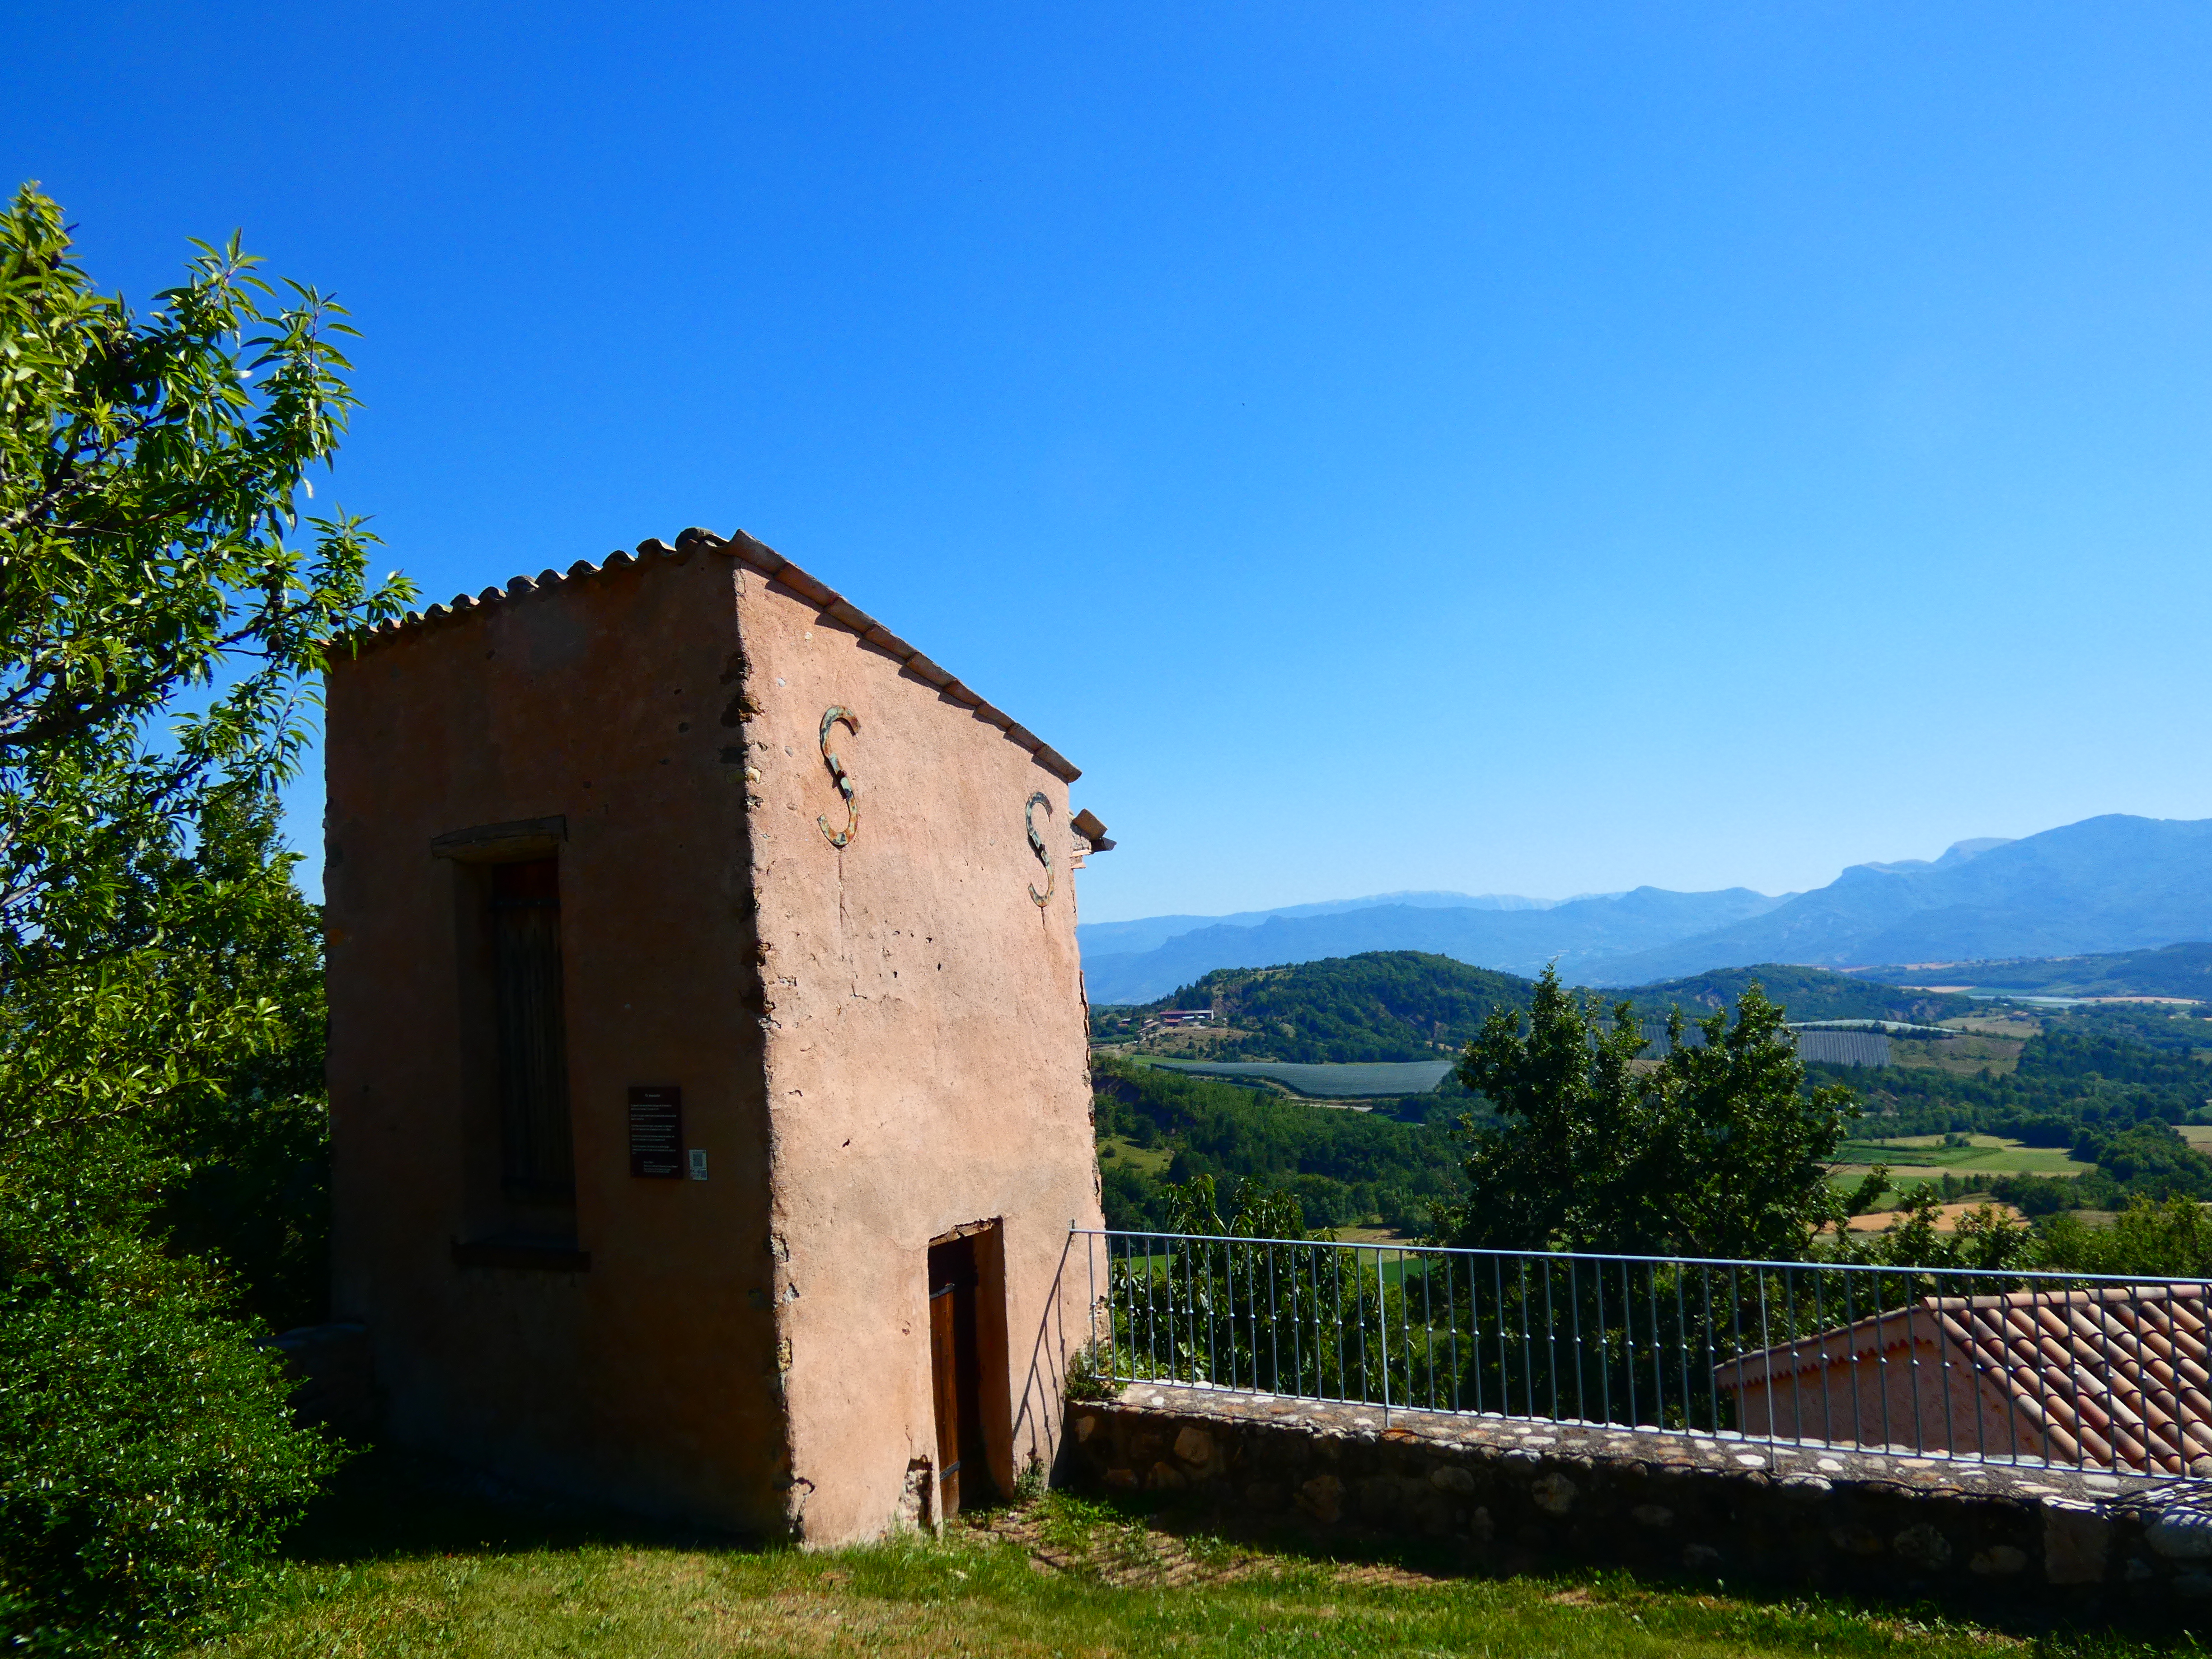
{"x": 1341, "y": 1168}
{"x": 1411, "y": 1005}
{"x": 1579, "y": 1139}
{"x": 2107, "y": 1084}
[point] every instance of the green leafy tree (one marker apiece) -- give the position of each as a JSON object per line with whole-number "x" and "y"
{"x": 1547, "y": 1172}
{"x": 163, "y": 619}
{"x": 1716, "y": 1149}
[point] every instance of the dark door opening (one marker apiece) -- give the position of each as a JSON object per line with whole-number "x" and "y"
{"x": 955, "y": 1363}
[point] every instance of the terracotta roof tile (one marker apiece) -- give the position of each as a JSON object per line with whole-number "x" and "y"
{"x": 2112, "y": 1375}
{"x": 777, "y": 569}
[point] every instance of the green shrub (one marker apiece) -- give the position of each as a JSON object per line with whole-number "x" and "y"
{"x": 147, "y": 1458}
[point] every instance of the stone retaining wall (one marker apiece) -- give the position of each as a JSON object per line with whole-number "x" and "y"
{"x": 1513, "y": 1495}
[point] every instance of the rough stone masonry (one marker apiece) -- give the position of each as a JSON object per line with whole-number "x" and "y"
{"x": 1517, "y": 1495}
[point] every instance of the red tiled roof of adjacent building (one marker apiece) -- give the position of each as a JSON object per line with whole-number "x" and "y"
{"x": 2112, "y": 1375}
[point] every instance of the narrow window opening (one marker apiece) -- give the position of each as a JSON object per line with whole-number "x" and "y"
{"x": 537, "y": 1158}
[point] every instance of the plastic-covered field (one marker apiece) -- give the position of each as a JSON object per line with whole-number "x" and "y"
{"x": 1408, "y": 1077}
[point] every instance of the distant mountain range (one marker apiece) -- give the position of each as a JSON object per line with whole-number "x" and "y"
{"x": 2110, "y": 883}
{"x": 1582, "y": 933}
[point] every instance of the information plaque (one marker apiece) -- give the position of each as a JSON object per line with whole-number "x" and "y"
{"x": 656, "y": 1132}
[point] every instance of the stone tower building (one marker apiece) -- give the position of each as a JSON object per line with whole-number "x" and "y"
{"x": 708, "y": 1093}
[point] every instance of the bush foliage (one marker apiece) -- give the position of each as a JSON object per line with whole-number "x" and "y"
{"x": 162, "y": 627}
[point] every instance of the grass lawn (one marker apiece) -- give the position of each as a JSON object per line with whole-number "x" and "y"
{"x": 1405, "y": 1077}
{"x": 1965, "y": 1055}
{"x": 391, "y": 1571}
{"x": 1927, "y": 1155}
{"x": 1146, "y": 1160}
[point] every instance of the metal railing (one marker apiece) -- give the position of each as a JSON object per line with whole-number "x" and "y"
{"x": 2060, "y": 1370}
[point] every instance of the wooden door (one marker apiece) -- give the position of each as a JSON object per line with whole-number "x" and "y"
{"x": 956, "y": 1364}
{"x": 945, "y": 1379}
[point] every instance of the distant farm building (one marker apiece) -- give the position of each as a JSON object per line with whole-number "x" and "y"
{"x": 1172, "y": 1017}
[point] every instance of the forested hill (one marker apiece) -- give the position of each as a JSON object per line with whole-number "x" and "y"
{"x": 2173, "y": 970}
{"x": 1409, "y": 1005}
{"x": 1386, "y": 1004}
{"x": 1807, "y": 993}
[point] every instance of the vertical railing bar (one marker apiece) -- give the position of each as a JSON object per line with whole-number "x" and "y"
{"x": 1359, "y": 1320}
{"x": 1629, "y": 1328}
{"x": 2106, "y": 1354}
{"x": 1168, "y": 1295}
{"x": 1658, "y": 1347}
{"x": 1682, "y": 1347}
{"x": 1190, "y": 1313}
{"x": 1129, "y": 1291}
{"x": 2008, "y": 1371}
{"x": 1736, "y": 1337}
{"x": 1131, "y": 1285}
{"x": 1274, "y": 1321}
{"x": 1766, "y": 1351}
{"x": 1336, "y": 1318}
{"x": 1151, "y": 1317}
{"x": 1945, "y": 1364}
{"x": 1551, "y": 1339}
{"x": 1429, "y": 1324}
{"x": 1382, "y": 1320}
{"x": 1981, "y": 1413}
{"x": 1252, "y": 1310}
{"x": 1881, "y": 1352}
{"x": 1129, "y": 1295}
{"x": 1629, "y": 1337}
{"x": 1712, "y": 1359}
{"x": 1575, "y": 1315}
{"x": 1850, "y": 1356}
{"x": 2042, "y": 1372}
{"x": 1790, "y": 1317}
{"x": 1910, "y": 1305}
{"x": 1505, "y": 1335}
{"x": 1820, "y": 1326}
{"x": 1212, "y": 1306}
{"x": 2102, "y": 1364}
{"x": 1091, "y": 1244}
{"x": 1604, "y": 1345}
{"x": 1451, "y": 1312}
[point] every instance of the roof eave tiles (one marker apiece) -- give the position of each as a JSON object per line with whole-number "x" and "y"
{"x": 777, "y": 569}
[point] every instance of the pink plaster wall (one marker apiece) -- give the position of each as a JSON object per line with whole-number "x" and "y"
{"x": 926, "y": 1051}
{"x": 644, "y": 1379}
{"x": 876, "y": 1046}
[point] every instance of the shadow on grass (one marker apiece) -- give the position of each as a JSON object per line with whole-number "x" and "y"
{"x": 390, "y": 1506}
{"x": 1194, "y": 1524}
{"x": 385, "y": 1505}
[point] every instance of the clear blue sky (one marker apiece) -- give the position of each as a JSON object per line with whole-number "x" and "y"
{"x": 1526, "y": 448}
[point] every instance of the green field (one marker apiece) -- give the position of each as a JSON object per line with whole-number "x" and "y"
{"x": 1150, "y": 1160}
{"x": 1333, "y": 1082}
{"x": 1927, "y": 1155}
{"x": 415, "y": 1575}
